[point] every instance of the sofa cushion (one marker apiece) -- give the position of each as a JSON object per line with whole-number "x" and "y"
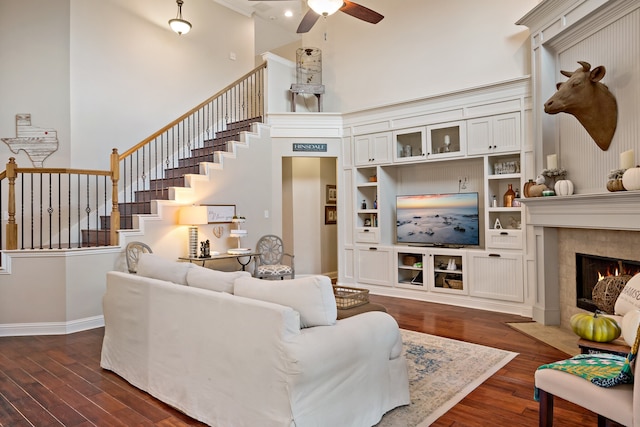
{"x": 629, "y": 298}
{"x": 156, "y": 267}
{"x": 214, "y": 280}
{"x": 310, "y": 296}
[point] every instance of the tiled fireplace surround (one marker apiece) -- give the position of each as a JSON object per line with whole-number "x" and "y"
{"x": 615, "y": 244}
{"x": 604, "y": 224}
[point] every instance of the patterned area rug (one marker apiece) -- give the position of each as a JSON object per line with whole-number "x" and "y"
{"x": 442, "y": 372}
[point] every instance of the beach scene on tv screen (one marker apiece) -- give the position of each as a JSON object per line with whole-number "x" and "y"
{"x": 448, "y": 219}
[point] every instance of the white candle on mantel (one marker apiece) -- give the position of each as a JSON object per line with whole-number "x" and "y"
{"x": 627, "y": 159}
{"x": 552, "y": 161}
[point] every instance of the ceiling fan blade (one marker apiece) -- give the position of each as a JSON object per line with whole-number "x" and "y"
{"x": 361, "y": 12}
{"x": 308, "y": 21}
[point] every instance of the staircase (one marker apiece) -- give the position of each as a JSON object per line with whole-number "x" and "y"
{"x": 60, "y": 208}
{"x": 158, "y": 189}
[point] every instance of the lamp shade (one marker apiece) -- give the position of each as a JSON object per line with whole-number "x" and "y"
{"x": 180, "y": 26}
{"x": 325, "y": 7}
{"x": 193, "y": 215}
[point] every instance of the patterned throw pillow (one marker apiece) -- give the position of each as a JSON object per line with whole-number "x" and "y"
{"x": 629, "y": 298}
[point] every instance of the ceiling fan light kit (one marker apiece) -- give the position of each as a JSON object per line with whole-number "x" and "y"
{"x": 325, "y": 7}
{"x": 179, "y": 25}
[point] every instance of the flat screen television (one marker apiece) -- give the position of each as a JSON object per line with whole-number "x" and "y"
{"x": 450, "y": 219}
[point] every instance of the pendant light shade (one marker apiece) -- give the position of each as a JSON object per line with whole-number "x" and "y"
{"x": 325, "y": 7}
{"x": 178, "y": 24}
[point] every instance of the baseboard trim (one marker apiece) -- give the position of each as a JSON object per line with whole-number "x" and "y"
{"x": 51, "y": 328}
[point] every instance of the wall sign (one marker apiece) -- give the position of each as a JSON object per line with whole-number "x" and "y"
{"x": 310, "y": 148}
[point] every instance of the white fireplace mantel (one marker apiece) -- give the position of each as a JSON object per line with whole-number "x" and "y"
{"x": 610, "y": 211}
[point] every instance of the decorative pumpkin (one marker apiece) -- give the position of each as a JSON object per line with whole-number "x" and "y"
{"x": 631, "y": 179}
{"x": 563, "y": 187}
{"x": 615, "y": 185}
{"x": 527, "y": 186}
{"x": 630, "y": 323}
{"x": 593, "y": 327}
{"x": 536, "y": 190}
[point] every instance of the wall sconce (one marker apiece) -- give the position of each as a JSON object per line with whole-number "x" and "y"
{"x": 178, "y": 24}
{"x": 193, "y": 216}
{"x": 325, "y": 7}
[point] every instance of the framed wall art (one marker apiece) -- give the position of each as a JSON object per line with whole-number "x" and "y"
{"x": 332, "y": 195}
{"x": 220, "y": 213}
{"x": 330, "y": 215}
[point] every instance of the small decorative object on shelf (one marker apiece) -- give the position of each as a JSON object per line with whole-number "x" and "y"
{"x": 563, "y": 187}
{"x": 364, "y": 205}
{"x": 494, "y": 202}
{"x": 553, "y": 175}
{"x": 527, "y": 186}
{"x": 516, "y": 202}
{"x": 615, "y": 180}
{"x": 631, "y": 179}
{"x": 509, "y": 195}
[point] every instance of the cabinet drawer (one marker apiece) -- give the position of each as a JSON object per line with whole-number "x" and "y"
{"x": 367, "y": 235}
{"x": 504, "y": 239}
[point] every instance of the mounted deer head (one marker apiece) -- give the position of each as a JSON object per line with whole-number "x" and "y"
{"x": 589, "y": 101}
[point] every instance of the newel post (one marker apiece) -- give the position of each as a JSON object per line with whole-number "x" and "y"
{"x": 12, "y": 227}
{"x": 115, "y": 212}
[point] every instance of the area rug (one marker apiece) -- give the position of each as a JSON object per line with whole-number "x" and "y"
{"x": 442, "y": 372}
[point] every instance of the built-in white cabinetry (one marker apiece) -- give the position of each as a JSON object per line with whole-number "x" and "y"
{"x": 446, "y": 140}
{"x": 410, "y": 144}
{"x": 495, "y": 134}
{"x": 373, "y": 149}
{"x": 374, "y": 265}
{"x": 504, "y": 223}
{"x": 366, "y": 226}
{"x": 459, "y": 148}
{"x": 496, "y": 275}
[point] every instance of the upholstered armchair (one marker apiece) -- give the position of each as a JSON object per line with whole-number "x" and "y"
{"x": 269, "y": 263}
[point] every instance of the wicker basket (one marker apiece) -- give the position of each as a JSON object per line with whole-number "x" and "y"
{"x": 452, "y": 283}
{"x": 606, "y": 292}
{"x": 409, "y": 260}
{"x": 350, "y": 297}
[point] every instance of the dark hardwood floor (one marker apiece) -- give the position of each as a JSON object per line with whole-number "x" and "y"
{"x": 57, "y": 380}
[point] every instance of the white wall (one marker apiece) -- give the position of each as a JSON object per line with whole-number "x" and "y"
{"x": 34, "y": 77}
{"x": 108, "y": 73}
{"x": 420, "y": 48}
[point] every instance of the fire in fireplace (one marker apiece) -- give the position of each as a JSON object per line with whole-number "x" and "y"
{"x": 592, "y": 269}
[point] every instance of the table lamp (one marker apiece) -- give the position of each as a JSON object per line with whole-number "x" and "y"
{"x": 193, "y": 216}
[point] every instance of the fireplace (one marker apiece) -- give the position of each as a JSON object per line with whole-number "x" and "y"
{"x": 592, "y": 270}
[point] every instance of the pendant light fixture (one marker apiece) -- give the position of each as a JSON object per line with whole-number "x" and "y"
{"x": 178, "y": 24}
{"x": 325, "y": 7}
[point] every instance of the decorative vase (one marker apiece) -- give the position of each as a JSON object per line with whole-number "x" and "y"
{"x": 509, "y": 196}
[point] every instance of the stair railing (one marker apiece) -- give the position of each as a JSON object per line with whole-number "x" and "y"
{"x": 62, "y": 208}
{"x": 161, "y": 160}
{"x": 59, "y": 208}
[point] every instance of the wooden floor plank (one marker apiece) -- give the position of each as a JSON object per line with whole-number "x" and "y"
{"x": 57, "y": 380}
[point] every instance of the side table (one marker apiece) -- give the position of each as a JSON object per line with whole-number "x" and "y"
{"x": 317, "y": 90}
{"x": 249, "y": 257}
{"x": 618, "y": 347}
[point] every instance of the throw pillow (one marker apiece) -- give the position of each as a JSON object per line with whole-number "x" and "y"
{"x": 311, "y": 296}
{"x": 156, "y": 267}
{"x": 214, "y": 280}
{"x": 629, "y": 298}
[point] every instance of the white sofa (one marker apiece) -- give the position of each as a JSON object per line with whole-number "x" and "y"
{"x": 231, "y": 360}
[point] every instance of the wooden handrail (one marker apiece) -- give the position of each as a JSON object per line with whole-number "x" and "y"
{"x": 63, "y": 170}
{"x": 189, "y": 113}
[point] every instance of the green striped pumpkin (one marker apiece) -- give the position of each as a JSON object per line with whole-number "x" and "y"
{"x": 593, "y": 327}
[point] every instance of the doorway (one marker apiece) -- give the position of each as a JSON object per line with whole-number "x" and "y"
{"x": 309, "y": 209}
